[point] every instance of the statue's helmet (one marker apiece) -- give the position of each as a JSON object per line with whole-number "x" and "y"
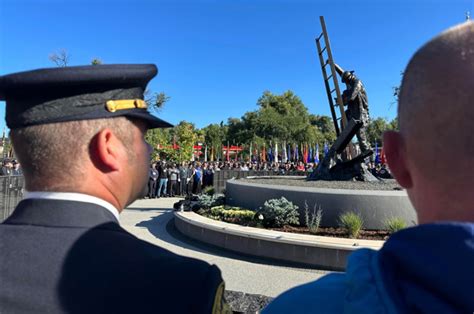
{"x": 347, "y": 76}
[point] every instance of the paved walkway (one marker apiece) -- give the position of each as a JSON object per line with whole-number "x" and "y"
{"x": 150, "y": 221}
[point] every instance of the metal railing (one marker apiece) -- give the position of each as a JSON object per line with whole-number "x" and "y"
{"x": 11, "y": 193}
{"x": 221, "y": 177}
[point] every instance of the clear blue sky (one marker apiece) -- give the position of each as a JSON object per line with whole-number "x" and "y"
{"x": 216, "y": 58}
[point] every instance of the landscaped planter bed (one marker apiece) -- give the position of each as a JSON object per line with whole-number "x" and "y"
{"x": 309, "y": 250}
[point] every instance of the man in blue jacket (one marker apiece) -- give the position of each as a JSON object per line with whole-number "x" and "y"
{"x": 427, "y": 268}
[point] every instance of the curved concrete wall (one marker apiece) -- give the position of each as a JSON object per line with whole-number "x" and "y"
{"x": 375, "y": 207}
{"x": 315, "y": 251}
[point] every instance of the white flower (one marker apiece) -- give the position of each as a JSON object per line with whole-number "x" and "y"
{"x": 260, "y": 217}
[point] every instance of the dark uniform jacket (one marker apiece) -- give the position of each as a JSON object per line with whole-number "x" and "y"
{"x": 153, "y": 174}
{"x": 73, "y": 257}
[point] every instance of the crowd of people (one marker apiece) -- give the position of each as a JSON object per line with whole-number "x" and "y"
{"x": 10, "y": 167}
{"x": 168, "y": 179}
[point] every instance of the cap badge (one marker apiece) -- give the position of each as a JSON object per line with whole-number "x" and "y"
{"x": 114, "y": 105}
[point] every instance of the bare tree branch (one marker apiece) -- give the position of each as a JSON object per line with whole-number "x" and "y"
{"x": 60, "y": 58}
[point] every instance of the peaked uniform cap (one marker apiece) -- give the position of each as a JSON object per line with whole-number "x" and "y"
{"x": 78, "y": 93}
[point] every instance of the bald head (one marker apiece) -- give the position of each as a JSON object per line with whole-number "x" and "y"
{"x": 436, "y": 106}
{"x": 433, "y": 154}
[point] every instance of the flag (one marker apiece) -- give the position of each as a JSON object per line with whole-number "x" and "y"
{"x": 383, "y": 159}
{"x": 289, "y": 152}
{"x": 297, "y": 157}
{"x": 250, "y": 152}
{"x": 326, "y": 149}
{"x": 276, "y": 152}
{"x": 316, "y": 154}
{"x": 270, "y": 155}
{"x": 304, "y": 148}
{"x": 284, "y": 155}
{"x": 377, "y": 157}
{"x": 205, "y": 153}
{"x": 310, "y": 155}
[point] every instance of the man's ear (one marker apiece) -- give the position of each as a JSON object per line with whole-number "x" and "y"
{"x": 395, "y": 152}
{"x": 108, "y": 150}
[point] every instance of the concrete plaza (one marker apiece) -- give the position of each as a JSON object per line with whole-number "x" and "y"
{"x": 150, "y": 220}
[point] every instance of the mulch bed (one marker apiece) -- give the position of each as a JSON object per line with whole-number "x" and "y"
{"x": 337, "y": 232}
{"x": 241, "y": 302}
{"x": 382, "y": 185}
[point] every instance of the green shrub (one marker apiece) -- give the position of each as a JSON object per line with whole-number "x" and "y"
{"x": 395, "y": 224}
{"x": 216, "y": 211}
{"x": 231, "y": 214}
{"x": 279, "y": 212}
{"x": 238, "y": 215}
{"x": 209, "y": 190}
{"x": 208, "y": 201}
{"x": 352, "y": 222}
{"x": 313, "y": 220}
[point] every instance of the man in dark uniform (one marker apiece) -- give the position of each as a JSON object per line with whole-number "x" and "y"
{"x": 62, "y": 249}
{"x": 183, "y": 182}
{"x": 152, "y": 181}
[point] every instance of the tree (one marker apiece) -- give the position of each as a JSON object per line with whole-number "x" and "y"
{"x": 159, "y": 139}
{"x": 214, "y": 137}
{"x": 186, "y": 137}
{"x": 96, "y": 61}
{"x": 284, "y": 118}
{"x": 156, "y": 101}
{"x": 376, "y": 128}
{"x": 325, "y": 126}
{"x": 60, "y": 58}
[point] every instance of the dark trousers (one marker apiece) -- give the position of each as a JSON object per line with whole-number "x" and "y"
{"x": 183, "y": 186}
{"x": 172, "y": 190}
{"x": 197, "y": 187}
{"x": 152, "y": 188}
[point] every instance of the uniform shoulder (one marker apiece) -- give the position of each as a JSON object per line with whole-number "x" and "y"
{"x": 144, "y": 272}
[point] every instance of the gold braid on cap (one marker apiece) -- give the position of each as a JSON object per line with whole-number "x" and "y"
{"x": 114, "y": 105}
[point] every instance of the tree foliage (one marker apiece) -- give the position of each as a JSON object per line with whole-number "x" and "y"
{"x": 96, "y": 61}
{"x": 156, "y": 101}
{"x": 277, "y": 119}
{"x": 377, "y": 127}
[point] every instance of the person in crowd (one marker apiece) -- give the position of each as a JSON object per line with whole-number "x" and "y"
{"x": 208, "y": 175}
{"x": 152, "y": 181}
{"x": 244, "y": 167}
{"x": 63, "y": 249}
{"x": 183, "y": 173}
{"x": 300, "y": 166}
{"x": 173, "y": 175}
{"x": 426, "y": 268}
{"x": 205, "y": 178}
{"x": 197, "y": 179}
{"x": 16, "y": 171}
{"x": 190, "y": 178}
{"x": 163, "y": 176}
{"x": 384, "y": 173}
{"x": 7, "y": 168}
